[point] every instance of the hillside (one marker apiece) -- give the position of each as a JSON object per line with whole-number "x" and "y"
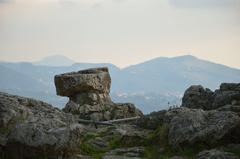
{"x": 151, "y": 85}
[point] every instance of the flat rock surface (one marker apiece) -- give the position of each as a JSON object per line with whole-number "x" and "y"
{"x": 95, "y": 80}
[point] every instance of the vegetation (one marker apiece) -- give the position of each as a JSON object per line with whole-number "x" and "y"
{"x": 157, "y": 146}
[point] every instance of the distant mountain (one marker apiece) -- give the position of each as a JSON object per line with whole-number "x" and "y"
{"x": 174, "y": 75}
{"x": 55, "y": 60}
{"x": 151, "y": 85}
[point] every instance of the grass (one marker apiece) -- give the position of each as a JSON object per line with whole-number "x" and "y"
{"x": 158, "y": 140}
{"x": 94, "y": 152}
{"x": 156, "y": 146}
{"x": 235, "y": 152}
{"x": 115, "y": 143}
{"x": 11, "y": 124}
{"x": 87, "y": 149}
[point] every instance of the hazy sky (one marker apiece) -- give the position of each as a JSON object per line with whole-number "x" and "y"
{"x": 122, "y": 32}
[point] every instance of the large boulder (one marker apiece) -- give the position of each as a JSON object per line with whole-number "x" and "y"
{"x": 198, "y": 97}
{"x": 88, "y": 93}
{"x": 33, "y": 129}
{"x": 152, "y": 121}
{"x": 228, "y": 94}
{"x": 194, "y": 126}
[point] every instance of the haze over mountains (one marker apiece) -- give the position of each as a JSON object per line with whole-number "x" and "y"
{"x": 151, "y": 85}
{"x": 55, "y": 60}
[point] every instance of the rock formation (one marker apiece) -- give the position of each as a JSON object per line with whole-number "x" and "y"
{"x": 198, "y": 97}
{"x": 227, "y": 96}
{"x": 88, "y": 93}
{"x": 34, "y": 129}
{"x": 189, "y": 127}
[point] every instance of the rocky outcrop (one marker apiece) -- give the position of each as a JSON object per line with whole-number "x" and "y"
{"x": 31, "y": 128}
{"x": 200, "y": 98}
{"x": 189, "y": 127}
{"x": 215, "y": 154}
{"x": 34, "y": 129}
{"x": 152, "y": 121}
{"x": 228, "y": 94}
{"x": 88, "y": 93}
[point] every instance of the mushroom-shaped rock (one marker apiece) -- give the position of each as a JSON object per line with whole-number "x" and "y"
{"x": 88, "y": 93}
{"x": 94, "y": 80}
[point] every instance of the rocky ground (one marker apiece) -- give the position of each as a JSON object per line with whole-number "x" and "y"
{"x": 206, "y": 126}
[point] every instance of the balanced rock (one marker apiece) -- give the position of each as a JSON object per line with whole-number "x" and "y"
{"x": 87, "y": 86}
{"x": 88, "y": 93}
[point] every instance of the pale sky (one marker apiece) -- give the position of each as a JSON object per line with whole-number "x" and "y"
{"x": 122, "y": 32}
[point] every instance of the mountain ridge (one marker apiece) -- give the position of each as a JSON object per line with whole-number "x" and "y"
{"x": 151, "y": 85}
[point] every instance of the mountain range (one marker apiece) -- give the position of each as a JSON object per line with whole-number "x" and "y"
{"x": 151, "y": 85}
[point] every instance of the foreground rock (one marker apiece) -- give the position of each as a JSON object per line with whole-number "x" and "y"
{"x": 34, "y": 129}
{"x": 31, "y": 128}
{"x": 198, "y": 97}
{"x": 189, "y": 127}
{"x": 88, "y": 93}
{"x": 216, "y": 154}
{"x": 125, "y": 153}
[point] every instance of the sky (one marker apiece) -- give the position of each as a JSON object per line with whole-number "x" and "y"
{"x": 122, "y": 32}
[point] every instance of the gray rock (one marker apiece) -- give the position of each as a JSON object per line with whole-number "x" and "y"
{"x": 78, "y": 156}
{"x": 119, "y": 157}
{"x": 198, "y": 97}
{"x": 191, "y": 126}
{"x": 228, "y": 94}
{"x": 98, "y": 143}
{"x": 230, "y": 87}
{"x": 128, "y": 135}
{"x": 31, "y": 128}
{"x": 152, "y": 121}
{"x": 96, "y": 80}
{"x": 125, "y": 153}
{"x": 88, "y": 93}
{"x": 233, "y": 108}
{"x": 215, "y": 154}
{"x": 177, "y": 157}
